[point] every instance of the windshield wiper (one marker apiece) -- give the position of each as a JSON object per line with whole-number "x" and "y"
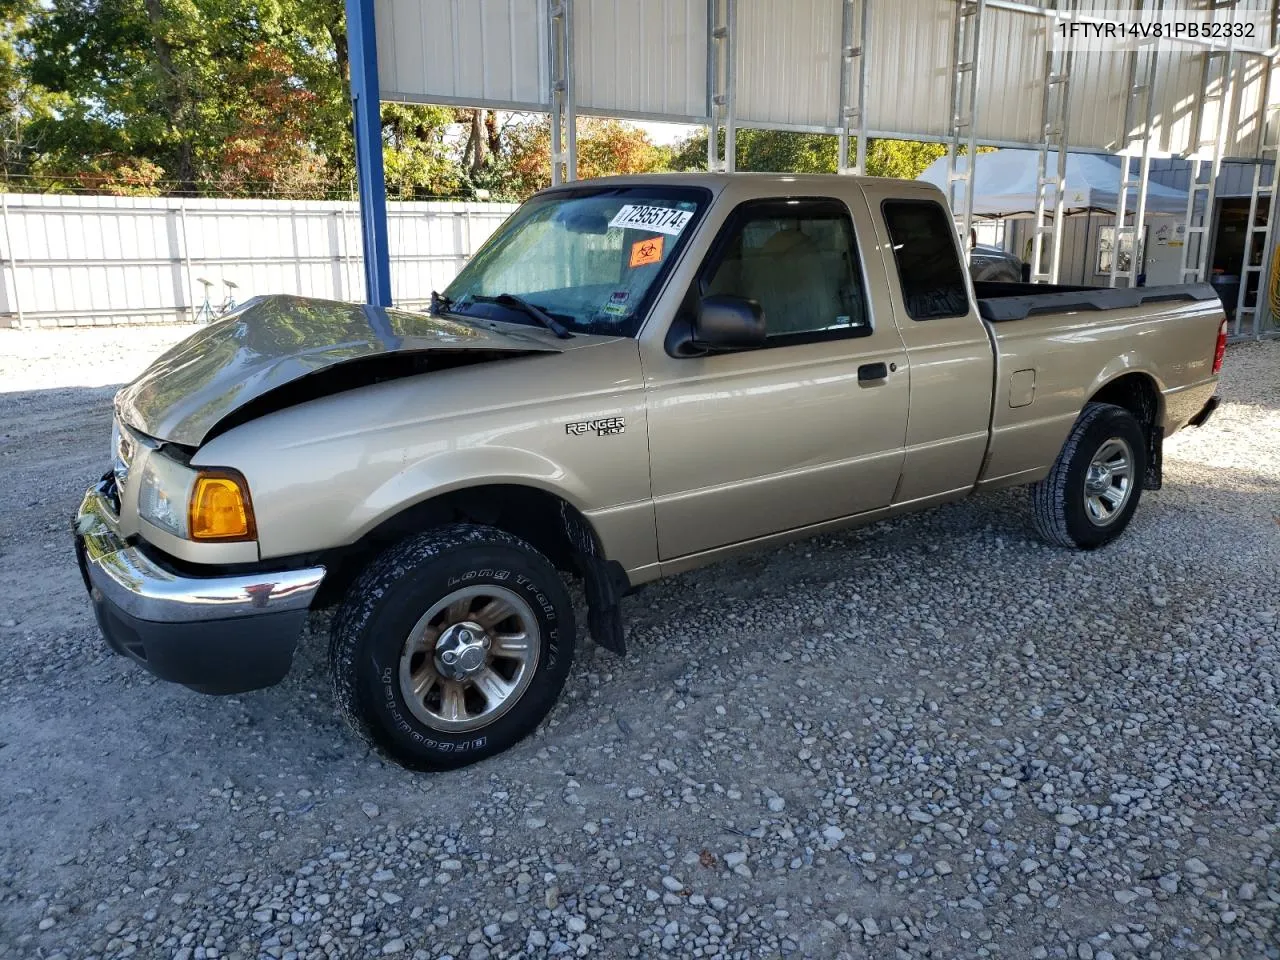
{"x": 440, "y": 303}
{"x": 533, "y": 310}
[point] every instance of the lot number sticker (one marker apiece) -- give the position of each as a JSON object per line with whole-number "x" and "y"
{"x": 644, "y": 252}
{"x": 658, "y": 219}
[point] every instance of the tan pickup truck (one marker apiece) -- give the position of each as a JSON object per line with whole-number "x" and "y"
{"x": 633, "y": 377}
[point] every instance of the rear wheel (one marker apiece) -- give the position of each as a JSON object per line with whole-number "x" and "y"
{"x": 452, "y": 646}
{"x": 1094, "y": 487}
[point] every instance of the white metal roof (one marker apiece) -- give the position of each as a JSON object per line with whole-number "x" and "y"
{"x": 648, "y": 60}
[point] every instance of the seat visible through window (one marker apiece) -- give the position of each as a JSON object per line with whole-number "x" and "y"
{"x": 800, "y": 268}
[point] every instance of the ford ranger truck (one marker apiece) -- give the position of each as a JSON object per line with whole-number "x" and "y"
{"x": 633, "y": 377}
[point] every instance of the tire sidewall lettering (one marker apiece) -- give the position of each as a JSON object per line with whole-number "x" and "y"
{"x": 499, "y": 576}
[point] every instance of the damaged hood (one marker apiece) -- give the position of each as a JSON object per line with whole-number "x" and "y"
{"x": 277, "y": 341}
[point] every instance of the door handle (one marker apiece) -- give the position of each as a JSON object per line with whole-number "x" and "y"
{"x": 872, "y": 371}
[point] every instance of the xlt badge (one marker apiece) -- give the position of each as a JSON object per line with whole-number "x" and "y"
{"x": 604, "y": 427}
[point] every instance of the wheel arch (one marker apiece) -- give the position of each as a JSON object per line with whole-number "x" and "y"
{"x": 542, "y": 517}
{"x": 1135, "y": 390}
{"x": 1139, "y": 392}
{"x": 527, "y": 510}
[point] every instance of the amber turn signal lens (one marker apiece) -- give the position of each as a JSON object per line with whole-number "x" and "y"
{"x": 220, "y": 508}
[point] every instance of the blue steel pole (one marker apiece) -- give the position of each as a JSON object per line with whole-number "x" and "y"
{"x": 365, "y": 106}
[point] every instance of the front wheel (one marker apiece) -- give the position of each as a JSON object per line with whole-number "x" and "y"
{"x": 452, "y": 646}
{"x": 1093, "y": 489}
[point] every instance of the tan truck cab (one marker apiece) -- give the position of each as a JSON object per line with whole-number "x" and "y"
{"x": 633, "y": 377}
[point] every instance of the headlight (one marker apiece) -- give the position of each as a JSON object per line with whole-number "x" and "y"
{"x": 195, "y": 504}
{"x": 164, "y": 492}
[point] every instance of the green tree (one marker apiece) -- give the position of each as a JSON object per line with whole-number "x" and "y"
{"x": 419, "y": 163}
{"x": 24, "y": 104}
{"x": 905, "y": 159}
{"x": 763, "y": 151}
{"x": 240, "y": 97}
{"x": 133, "y": 78}
{"x": 195, "y": 90}
{"x": 780, "y": 151}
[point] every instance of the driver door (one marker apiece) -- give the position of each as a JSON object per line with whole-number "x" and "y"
{"x": 752, "y": 443}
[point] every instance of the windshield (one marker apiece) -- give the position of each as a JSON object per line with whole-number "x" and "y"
{"x": 592, "y": 258}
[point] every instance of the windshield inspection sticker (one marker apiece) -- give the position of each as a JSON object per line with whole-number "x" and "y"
{"x": 617, "y": 305}
{"x": 658, "y": 219}
{"x": 644, "y": 252}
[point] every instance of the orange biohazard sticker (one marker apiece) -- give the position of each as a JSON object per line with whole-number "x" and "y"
{"x": 646, "y": 251}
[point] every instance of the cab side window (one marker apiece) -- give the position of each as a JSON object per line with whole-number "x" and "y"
{"x": 924, "y": 248}
{"x": 798, "y": 259}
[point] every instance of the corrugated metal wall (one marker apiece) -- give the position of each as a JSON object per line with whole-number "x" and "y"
{"x": 1235, "y": 180}
{"x": 87, "y": 260}
{"x": 910, "y": 78}
{"x": 641, "y": 58}
{"x": 1012, "y": 56}
{"x": 648, "y": 59}
{"x": 787, "y": 69}
{"x": 478, "y": 52}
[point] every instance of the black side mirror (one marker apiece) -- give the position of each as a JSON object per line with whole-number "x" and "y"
{"x": 728, "y": 323}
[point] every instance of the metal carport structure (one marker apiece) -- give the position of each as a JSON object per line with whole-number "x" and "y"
{"x": 966, "y": 73}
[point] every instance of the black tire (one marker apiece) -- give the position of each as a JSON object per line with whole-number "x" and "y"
{"x": 389, "y": 598}
{"x": 1058, "y": 502}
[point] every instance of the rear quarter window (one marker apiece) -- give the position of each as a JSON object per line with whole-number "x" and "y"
{"x": 929, "y": 268}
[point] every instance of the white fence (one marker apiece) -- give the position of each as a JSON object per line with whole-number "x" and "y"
{"x": 71, "y": 260}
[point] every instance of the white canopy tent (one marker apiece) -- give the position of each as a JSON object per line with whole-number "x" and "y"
{"x": 1005, "y": 184}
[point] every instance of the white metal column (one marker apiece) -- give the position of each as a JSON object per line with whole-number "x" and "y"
{"x": 854, "y": 70}
{"x": 1139, "y": 119}
{"x": 14, "y": 303}
{"x": 1266, "y": 320}
{"x": 564, "y": 119}
{"x": 1216, "y": 82}
{"x": 965, "y": 47}
{"x": 1053, "y": 136}
{"x": 190, "y": 305}
{"x": 1262, "y": 210}
{"x": 721, "y": 15}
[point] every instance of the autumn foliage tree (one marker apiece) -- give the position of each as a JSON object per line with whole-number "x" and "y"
{"x": 605, "y": 147}
{"x": 183, "y": 96}
{"x": 268, "y": 147}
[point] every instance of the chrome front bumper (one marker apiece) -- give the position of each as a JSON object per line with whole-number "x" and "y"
{"x": 217, "y": 634}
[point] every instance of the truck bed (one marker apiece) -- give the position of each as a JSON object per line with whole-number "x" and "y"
{"x": 1071, "y": 342}
{"x": 1000, "y": 302}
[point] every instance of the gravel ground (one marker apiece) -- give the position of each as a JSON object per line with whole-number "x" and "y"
{"x": 936, "y": 737}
